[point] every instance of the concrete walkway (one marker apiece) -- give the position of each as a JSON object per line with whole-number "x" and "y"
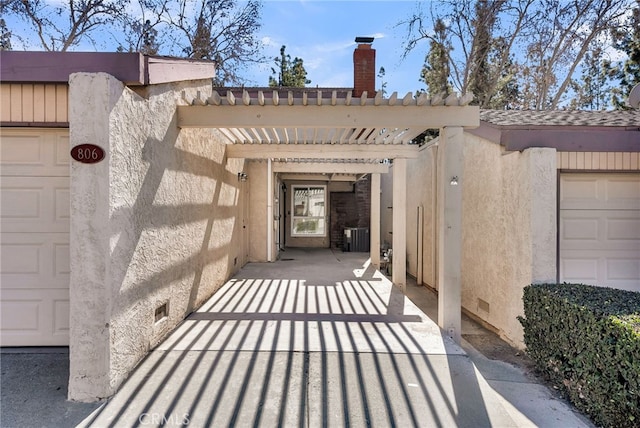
{"x": 316, "y": 339}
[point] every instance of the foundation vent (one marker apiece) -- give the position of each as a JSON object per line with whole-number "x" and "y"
{"x": 484, "y": 306}
{"x": 161, "y": 312}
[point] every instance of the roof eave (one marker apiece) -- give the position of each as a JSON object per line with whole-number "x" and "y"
{"x": 133, "y": 69}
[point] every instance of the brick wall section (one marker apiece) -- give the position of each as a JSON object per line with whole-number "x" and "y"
{"x": 350, "y": 209}
{"x": 363, "y": 201}
{"x": 344, "y": 213}
{"x": 364, "y": 71}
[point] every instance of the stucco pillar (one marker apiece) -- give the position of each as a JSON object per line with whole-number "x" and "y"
{"x": 89, "y": 288}
{"x": 399, "y": 265}
{"x": 543, "y": 179}
{"x": 374, "y": 234}
{"x": 450, "y": 182}
{"x": 269, "y": 211}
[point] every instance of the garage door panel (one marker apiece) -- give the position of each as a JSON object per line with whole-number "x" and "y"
{"x": 578, "y": 189}
{"x": 579, "y": 269}
{"x": 592, "y": 191}
{"x": 599, "y": 232}
{"x": 34, "y": 153}
{"x": 33, "y": 204}
{"x": 34, "y": 261}
{"x": 613, "y": 269}
{"x": 29, "y": 318}
{"x": 623, "y": 268}
{"x": 34, "y": 244}
{"x": 580, "y": 228}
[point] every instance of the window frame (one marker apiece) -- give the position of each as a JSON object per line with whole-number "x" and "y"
{"x": 321, "y": 218}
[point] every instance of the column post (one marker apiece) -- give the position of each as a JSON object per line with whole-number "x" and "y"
{"x": 374, "y": 224}
{"x": 450, "y": 182}
{"x": 399, "y": 264}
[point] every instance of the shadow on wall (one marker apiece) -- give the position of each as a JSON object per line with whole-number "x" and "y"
{"x": 177, "y": 251}
{"x": 285, "y": 352}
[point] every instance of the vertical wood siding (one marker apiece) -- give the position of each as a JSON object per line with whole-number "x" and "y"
{"x": 34, "y": 103}
{"x": 593, "y": 161}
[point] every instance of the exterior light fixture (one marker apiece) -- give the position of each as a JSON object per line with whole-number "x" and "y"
{"x": 242, "y": 176}
{"x": 454, "y": 180}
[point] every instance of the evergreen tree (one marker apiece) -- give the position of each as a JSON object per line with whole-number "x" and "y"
{"x": 591, "y": 90}
{"x": 383, "y": 87}
{"x": 5, "y": 36}
{"x": 288, "y": 73}
{"x": 627, "y": 73}
{"x": 435, "y": 72}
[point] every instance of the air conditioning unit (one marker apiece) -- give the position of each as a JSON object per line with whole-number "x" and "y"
{"x": 356, "y": 239}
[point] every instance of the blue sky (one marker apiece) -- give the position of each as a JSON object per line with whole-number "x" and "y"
{"x": 322, "y": 33}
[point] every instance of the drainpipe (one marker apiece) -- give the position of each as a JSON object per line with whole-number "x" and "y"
{"x": 269, "y": 210}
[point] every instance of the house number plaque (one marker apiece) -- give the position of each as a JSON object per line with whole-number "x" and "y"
{"x": 87, "y": 153}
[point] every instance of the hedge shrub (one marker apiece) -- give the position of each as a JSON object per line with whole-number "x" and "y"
{"x": 586, "y": 341}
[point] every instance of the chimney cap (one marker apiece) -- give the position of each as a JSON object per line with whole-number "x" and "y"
{"x": 364, "y": 39}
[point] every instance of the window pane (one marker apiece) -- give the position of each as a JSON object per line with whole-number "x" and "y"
{"x": 308, "y": 226}
{"x": 308, "y": 211}
{"x": 308, "y": 202}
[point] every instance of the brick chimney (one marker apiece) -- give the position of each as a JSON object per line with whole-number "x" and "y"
{"x": 364, "y": 68}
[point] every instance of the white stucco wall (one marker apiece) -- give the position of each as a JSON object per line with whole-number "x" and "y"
{"x": 159, "y": 221}
{"x": 508, "y": 226}
{"x": 509, "y": 230}
{"x": 421, "y": 191}
{"x": 257, "y": 172}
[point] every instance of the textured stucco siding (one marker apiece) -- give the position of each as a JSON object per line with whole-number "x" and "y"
{"x": 386, "y": 208}
{"x": 421, "y": 191}
{"x": 159, "y": 221}
{"x": 509, "y": 224}
{"x": 257, "y": 172}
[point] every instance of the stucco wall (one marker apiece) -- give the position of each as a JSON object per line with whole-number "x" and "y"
{"x": 509, "y": 223}
{"x": 158, "y": 222}
{"x": 508, "y": 226}
{"x": 421, "y": 191}
{"x": 257, "y": 172}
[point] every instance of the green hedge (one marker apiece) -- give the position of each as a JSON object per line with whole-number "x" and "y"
{"x": 586, "y": 341}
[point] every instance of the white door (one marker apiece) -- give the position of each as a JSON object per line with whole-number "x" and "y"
{"x": 600, "y": 229}
{"x": 34, "y": 216}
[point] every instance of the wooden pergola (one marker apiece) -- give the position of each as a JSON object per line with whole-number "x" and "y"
{"x": 328, "y": 131}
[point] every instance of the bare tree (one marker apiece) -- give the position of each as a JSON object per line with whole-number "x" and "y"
{"x": 61, "y": 25}
{"x": 560, "y": 44}
{"x": 221, "y": 30}
{"x": 480, "y": 37}
{"x": 516, "y": 53}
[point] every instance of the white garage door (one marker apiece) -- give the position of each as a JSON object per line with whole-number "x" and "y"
{"x": 34, "y": 219}
{"x": 600, "y": 229}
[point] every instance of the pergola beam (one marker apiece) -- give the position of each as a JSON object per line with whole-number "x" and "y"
{"x": 319, "y": 177}
{"x": 330, "y": 168}
{"x": 321, "y": 151}
{"x": 338, "y": 116}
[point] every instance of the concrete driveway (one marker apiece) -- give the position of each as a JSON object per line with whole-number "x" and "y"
{"x": 316, "y": 339}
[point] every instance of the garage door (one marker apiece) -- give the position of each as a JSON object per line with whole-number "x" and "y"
{"x": 600, "y": 229}
{"x": 34, "y": 215}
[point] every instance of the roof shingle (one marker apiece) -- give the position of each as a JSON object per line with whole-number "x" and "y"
{"x": 520, "y": 118}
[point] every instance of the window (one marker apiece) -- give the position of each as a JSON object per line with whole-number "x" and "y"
{"x": 308, "y": 211}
